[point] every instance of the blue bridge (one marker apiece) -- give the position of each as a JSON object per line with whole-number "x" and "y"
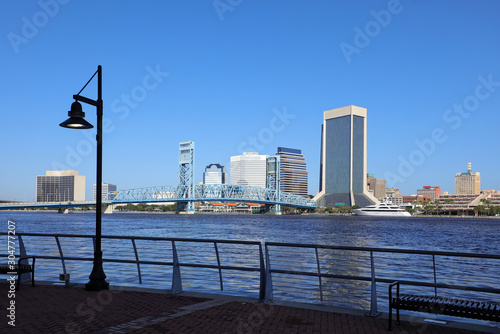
{"x": 183, "y": 194}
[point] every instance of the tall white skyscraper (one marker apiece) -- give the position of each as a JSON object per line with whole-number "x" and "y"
{"x": 248, "y": 169}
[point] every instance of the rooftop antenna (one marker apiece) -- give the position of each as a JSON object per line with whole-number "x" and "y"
{"x": 468, "y": 168}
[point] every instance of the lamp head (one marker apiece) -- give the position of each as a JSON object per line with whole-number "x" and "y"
{"x": 76, "y": 118}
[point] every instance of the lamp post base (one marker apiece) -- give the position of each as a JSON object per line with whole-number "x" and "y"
{"x": 97, "y": 277}
{"x": 97, "y": 285}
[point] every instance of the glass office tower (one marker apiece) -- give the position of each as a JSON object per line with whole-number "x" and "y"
{"x": 343, "y": 158}
{"x": 214, "y": 174}
{"x": 292, "y": 171}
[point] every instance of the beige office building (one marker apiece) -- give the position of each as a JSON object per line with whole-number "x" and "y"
{"x": 59, "y": 186}
{"x": 468, "y": 183}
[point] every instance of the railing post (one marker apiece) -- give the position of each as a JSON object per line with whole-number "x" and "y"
{"x": 137, "y": 259}
{"x": 435, "y": 281}
{"x": 373, "y": 308}
{"x": 262, "y": 290}
{"x": 61, "y": 254}
{"x": 176, "y": 271}
{"x": 218, "y": 265}
{"x": 319, "y": 275}
{"x": 26, "y": 277}
{"x": 268, "y": 280}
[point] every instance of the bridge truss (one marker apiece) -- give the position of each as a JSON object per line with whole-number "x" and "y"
{"x": 213, "y": 193}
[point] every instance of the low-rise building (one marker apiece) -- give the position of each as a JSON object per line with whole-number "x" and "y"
{"x": 428, "y": 191}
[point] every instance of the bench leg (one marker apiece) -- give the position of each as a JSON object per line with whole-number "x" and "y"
{"x": 390, "y": 318}
{"x": 33, "y": 277}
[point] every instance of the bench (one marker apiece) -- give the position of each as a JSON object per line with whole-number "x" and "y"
{"x": 19, "y": 269}
{"x": 441, "y": 305}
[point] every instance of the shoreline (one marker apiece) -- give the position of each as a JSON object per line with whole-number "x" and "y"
{"x": 252, "y": 214}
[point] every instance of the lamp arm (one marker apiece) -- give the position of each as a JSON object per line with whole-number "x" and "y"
{"x": 81, "y": 90}
{"x": 87, "y": 100}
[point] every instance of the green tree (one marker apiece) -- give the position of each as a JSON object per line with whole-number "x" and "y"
{"x": 487, "y": 204}
{"x": 478, "y": 210}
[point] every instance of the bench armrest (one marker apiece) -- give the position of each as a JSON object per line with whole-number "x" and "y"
{"x": 25, "y": 258}
{"x": 390, "y": 290}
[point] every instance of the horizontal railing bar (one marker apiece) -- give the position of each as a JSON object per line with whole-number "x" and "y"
{"x": 316, "y": 274}
{"x": 386, "y": 250}
{"x": 242, "y": 242}
{"x": 385, "y": 280}
{"x": 214, "y": 266}
{"x": 193, "y": 265}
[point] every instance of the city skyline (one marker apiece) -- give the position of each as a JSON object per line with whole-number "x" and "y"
{"x": 426, "y": 71}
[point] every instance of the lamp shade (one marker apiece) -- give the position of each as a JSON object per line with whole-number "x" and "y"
{"x": 76, "y": 118}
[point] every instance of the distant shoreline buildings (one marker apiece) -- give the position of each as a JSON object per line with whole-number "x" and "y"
{"x": 343, "y": 178}
{"x": 60, "y": 185}
{"x": 105, "y": 190}
{"x": 214, "y": 174}
{"x": 468, "y": 183}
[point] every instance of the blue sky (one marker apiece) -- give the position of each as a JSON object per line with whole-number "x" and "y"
{"x": 234, "y": 75}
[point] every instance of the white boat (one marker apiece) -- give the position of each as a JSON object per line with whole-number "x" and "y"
{"x": 385, "y": 209}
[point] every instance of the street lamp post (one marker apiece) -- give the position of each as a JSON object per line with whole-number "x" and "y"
{"x": 76, "y": 120}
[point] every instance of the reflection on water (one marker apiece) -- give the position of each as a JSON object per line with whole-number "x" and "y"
{"x": 443, "y": 234}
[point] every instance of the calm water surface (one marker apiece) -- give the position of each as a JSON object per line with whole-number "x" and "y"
{"x": 446, "y": 234}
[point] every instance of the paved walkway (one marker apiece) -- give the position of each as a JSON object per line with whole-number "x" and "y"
{"x": 57, "y": 309}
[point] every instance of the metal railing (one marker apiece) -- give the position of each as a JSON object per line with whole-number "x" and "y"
{"x": 340, "y": 275}
{"x": 210, "y": 254}
{"x": 416, "y": 268}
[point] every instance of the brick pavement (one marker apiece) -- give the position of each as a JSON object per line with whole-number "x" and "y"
{"x": 56, "y": 309}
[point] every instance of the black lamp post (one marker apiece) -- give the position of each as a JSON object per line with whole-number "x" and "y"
{"x": 76, "y": 121}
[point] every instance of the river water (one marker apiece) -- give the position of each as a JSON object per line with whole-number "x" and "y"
{"x": 426, "y": 233}
{"x": 470, "y": 235}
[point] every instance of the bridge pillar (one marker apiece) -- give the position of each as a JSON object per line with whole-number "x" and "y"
{"x": 186, "y": 177}
{"x": 109, "y": 209}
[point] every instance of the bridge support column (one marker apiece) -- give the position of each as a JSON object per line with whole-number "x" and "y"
{"x": 109, "y": 209}
{"x": 185, "y": 208}
{"x": 63, "y": 210}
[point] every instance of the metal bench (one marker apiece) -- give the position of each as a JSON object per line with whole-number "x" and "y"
{"x": 20, "y": 268}
{"x": 441, "y": 305}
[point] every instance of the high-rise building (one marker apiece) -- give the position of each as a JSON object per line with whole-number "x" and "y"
{"x": 248, "y": 169}
{"x": 468, "y": 183}
{"x": 60, "y": 185}
{"x": 343, "y": 158}
{"x": 214, "y": 174}
{"x": 428, "y": 191}
{"x": 376, "y": 186}
{"x": 293, "y": 171}
{"x": 106, "y": 189}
